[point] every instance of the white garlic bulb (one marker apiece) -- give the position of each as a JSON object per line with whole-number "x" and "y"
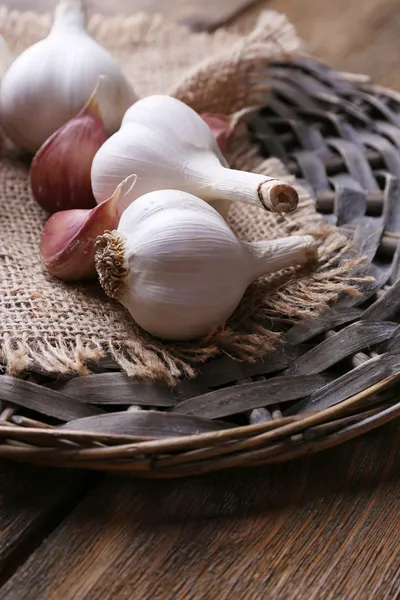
{"x": 51, "y": 81}
{"x": 169, "y": 146}
{"x": 179, "y": 269}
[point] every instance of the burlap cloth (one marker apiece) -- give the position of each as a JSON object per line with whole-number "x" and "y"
{"x": 64, "y": 328}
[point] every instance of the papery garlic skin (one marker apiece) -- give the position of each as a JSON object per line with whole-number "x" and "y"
{"x": 51, "y": 81}
{"x": 168, "y": 145}
{"x": 60, "y": 169}
{"x": 67, "y": 244}
{"x": 179, "y": 269}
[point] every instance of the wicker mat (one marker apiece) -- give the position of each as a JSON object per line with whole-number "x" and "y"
{"x": 47, "y": 324}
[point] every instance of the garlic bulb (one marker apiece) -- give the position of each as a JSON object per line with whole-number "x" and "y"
{"x": 221, "y": 126}
{"x": 179, "y": 269}
{"x": 168, "y": 145}
{"x": 51, "y": 81}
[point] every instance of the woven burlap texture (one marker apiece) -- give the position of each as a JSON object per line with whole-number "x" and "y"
{"x": 63, "y": 328}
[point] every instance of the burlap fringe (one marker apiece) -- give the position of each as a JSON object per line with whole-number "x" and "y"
{"x": 249, "y": 333}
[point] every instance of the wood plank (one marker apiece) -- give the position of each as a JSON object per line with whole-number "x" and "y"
{"x": 324, "y": 26}
{"x": 200, "y": 16}
{"x": 297, "y": 530}
{"x": 33, "y": 501}
{"x": 352, "y": 36}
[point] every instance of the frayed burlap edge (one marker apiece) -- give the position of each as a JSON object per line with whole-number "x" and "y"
{"x": 211, "y": 87}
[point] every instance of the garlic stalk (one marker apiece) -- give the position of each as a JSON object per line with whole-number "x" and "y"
{"x": 179, "y": 269}
{"x": 169, "y": 146}
{"x": 51, "y": 81}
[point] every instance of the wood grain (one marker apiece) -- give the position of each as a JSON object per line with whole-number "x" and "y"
{"x": 360, "y": 36}
{"x": 33, "y": 501}
{"x": 325, "y": 527}
{"x": 200, "y": 16}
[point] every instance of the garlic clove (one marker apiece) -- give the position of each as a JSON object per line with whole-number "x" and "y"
{"x": 60, "y": 170}
{"x": 67, "y": 245}
{"x": 52, "y": 80}
{"x": 221, "y": 126}
{"x": 178, "y": 268}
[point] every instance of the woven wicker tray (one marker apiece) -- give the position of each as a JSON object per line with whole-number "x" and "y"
{"x": 335, "y": 377}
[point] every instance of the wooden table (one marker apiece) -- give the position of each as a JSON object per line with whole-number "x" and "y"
{"x": 322, "y": 528}
{"x": 326, "y": 527}
{"x": 357, "y": 35}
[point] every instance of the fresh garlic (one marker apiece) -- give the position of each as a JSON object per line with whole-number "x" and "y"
{"x": 51, "y": 81}
{"x": 67, "y": 245}
{"x": 179, "y": 269}
{"x": 221, "y": 126}
{"x": 60, "y": 170}
{"x": 168, "y": 145}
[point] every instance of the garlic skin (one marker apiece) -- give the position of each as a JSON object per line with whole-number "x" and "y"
{"x": 179, "y": 269}
{"x": 67, "y": 244}
{"x": 51, "y": 81}
{"x": 169, "y": 146}
{"x": 221, "y": 127}
{"x": 60, "y": 170}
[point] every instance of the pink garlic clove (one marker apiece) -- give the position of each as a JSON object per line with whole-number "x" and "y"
{"x": 67, "y": 245}
{"x": 220, "y": 125}
{"x": 60, "y": 170}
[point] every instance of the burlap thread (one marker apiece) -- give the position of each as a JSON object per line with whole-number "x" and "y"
{"x": 62, "y": 328}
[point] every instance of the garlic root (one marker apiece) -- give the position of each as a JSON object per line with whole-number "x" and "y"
{"x": 111, "y": 263}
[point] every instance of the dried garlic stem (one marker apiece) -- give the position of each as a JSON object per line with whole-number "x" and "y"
{"x": 277, "y": 196}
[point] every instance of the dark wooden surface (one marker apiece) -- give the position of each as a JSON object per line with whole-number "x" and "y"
{"x": 359, "y": 35}
{"x": 326, "y": 527}
{"x": 204, "y": 15}
{"x": 32, "y": 502}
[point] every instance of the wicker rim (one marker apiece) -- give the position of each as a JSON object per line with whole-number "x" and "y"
{"x": 336, "y": 132}
{"x": 207, "y": 452}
